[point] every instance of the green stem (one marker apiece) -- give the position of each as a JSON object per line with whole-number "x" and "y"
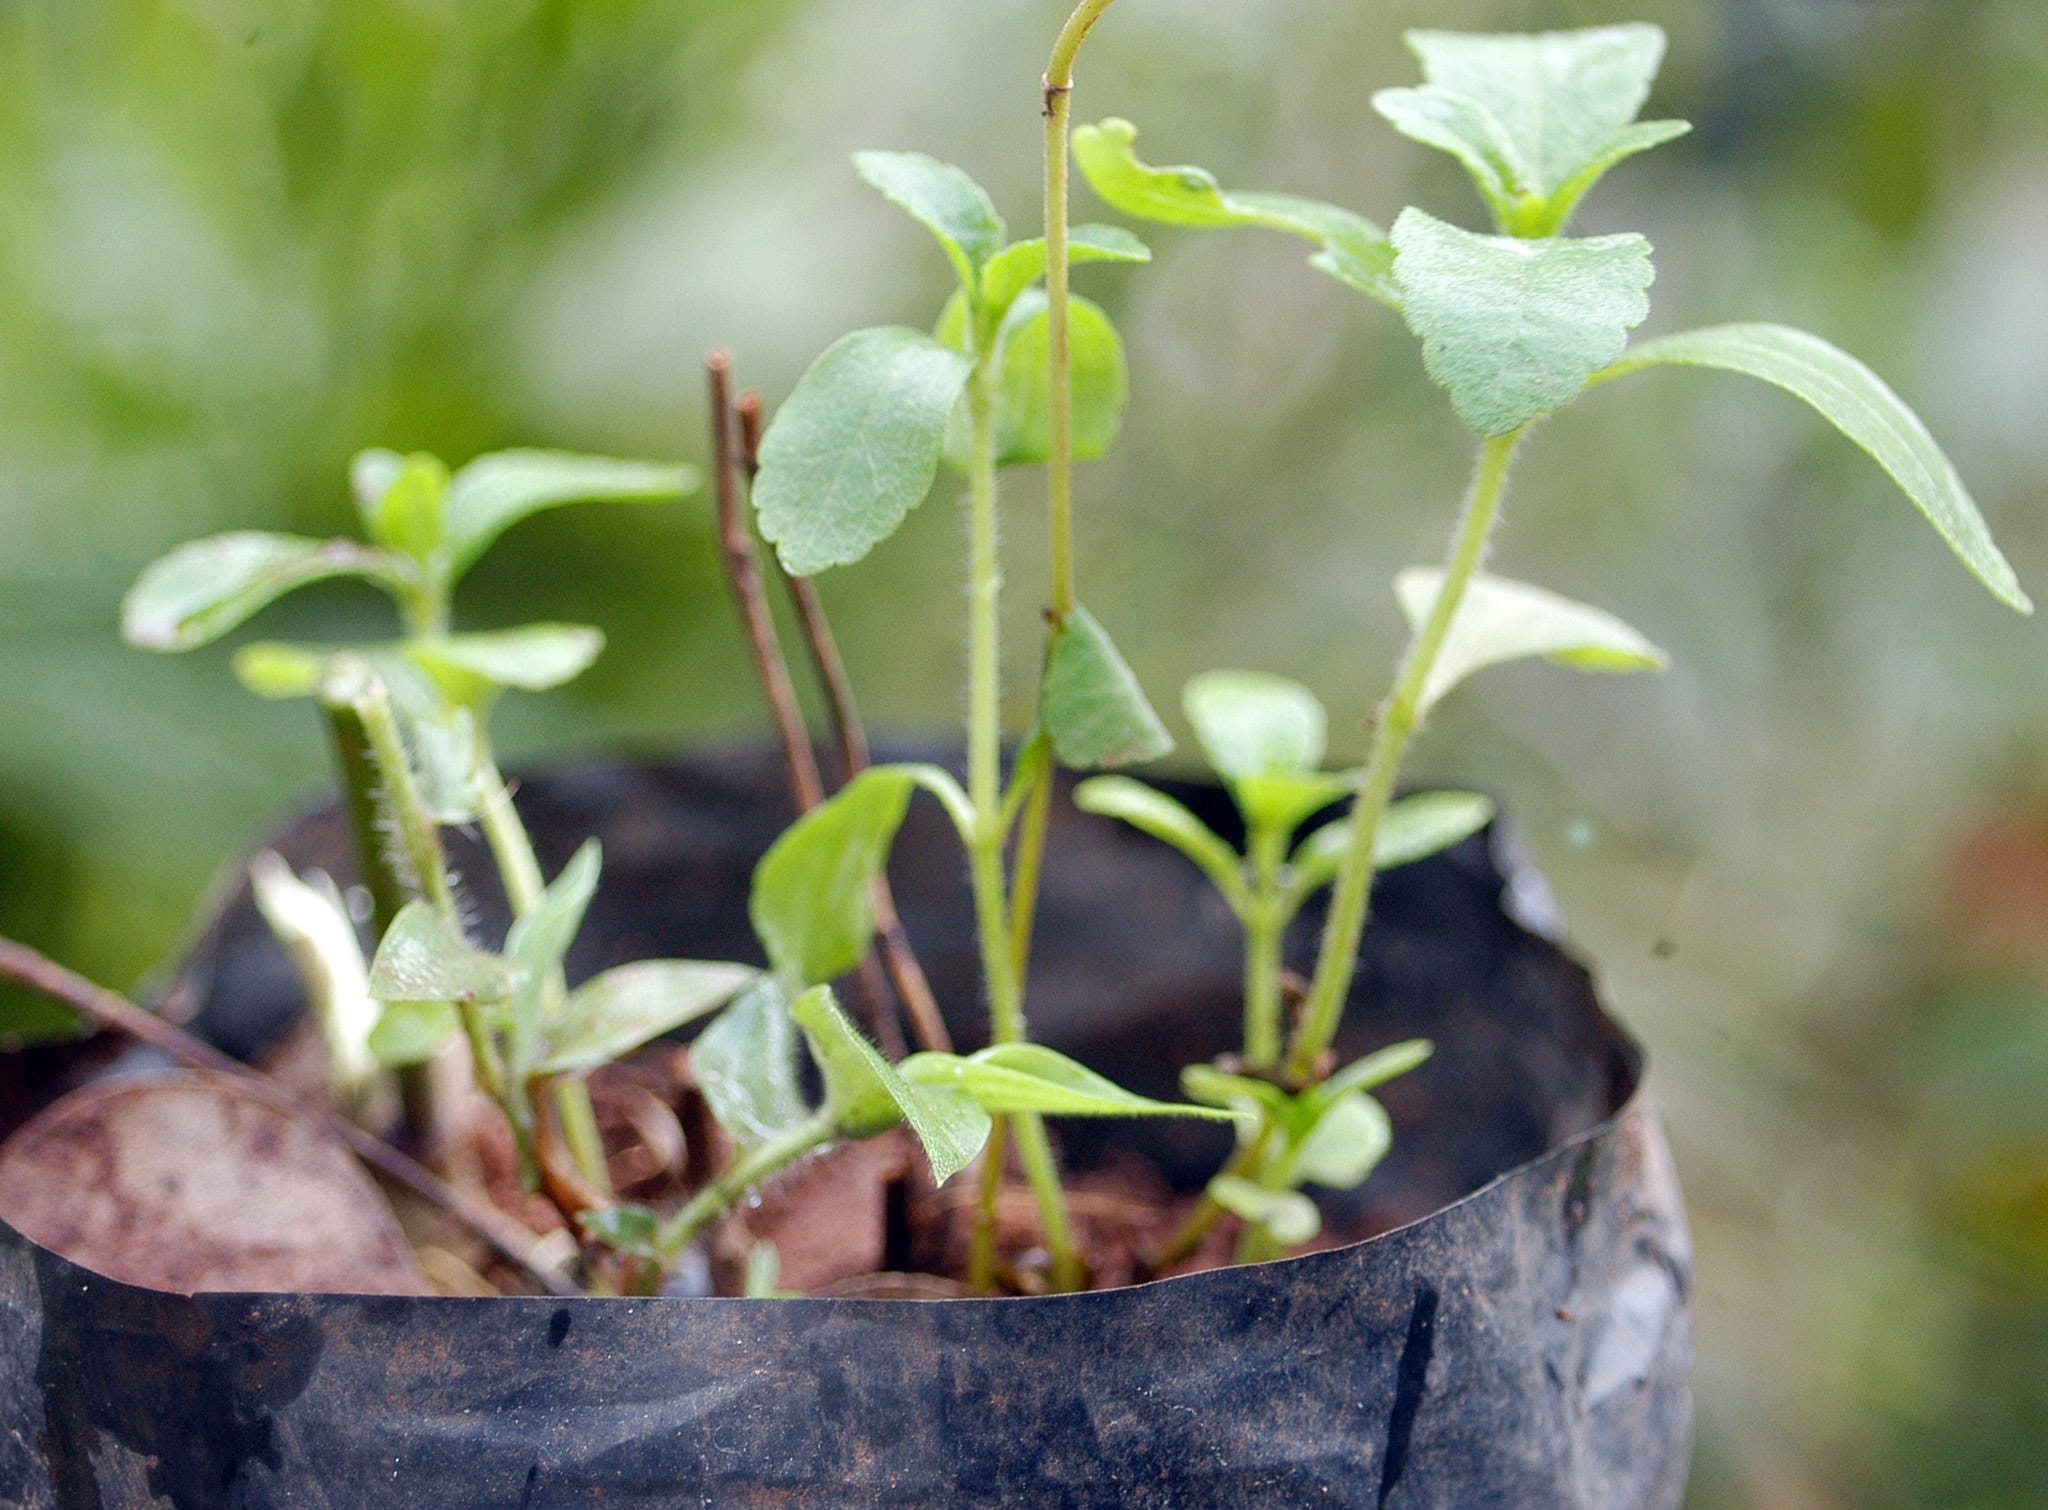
{"x": 511, "y": 846}
{"x": 1265, "y": 920}
{"x": 741, "y": 1176}
{"x": 1338, "y": 957}
{"x": 1034, "y": 782}
{"x": 416, "y": 830}
{"x": 981, "y": 1250}
{"x": 1209, "y": 1209}
{"x": 578, "y": 1121}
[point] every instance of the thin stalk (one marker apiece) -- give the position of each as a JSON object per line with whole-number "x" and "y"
{"x": 415, "y": 829}
{"x": 1035, "y": 777}
{"x": 981, "y": 1247}
{"x": 1338, "y": 957}
{"x": 577, "y": 1120}
{"x": 1208, "y": 1210}
{"x": 1265, "y": 920}
{"x": 745, "y": 1172}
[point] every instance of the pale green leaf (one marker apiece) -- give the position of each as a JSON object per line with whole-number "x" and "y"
{"x": 1013, "y": 1078}
{"x": 1100, "y": 381}
{"x": 1467, "y": 130}
{"x": 412, "y": 1032}
{"x": 1153, "y": 812}
{"x": 813, "y": 895}
{"x": 1093, "y": 707}
{"x": 312, "y": 922}
{"x": 274, "y": 669}
{"x": 614, "y": 1013}
{"x": 941, "y": 784}
{"x": 424, "y": 958}
{"x": 200, "y": 591}
{"x": 1287, "y": 1216}
{"x": 445, "y": 751}
{"x": 864, "y": 1095}
{"x": 1246, "y": 1095}
{"x": 1500, "y": 621}
{"x": 408, "y": 515}
{"x": 856, "y": 446}
{"x": 1349, "y": 1138}
{"x": 1285, "y": 800}
{"x": 942, "y": 198}
{"x": 470, "y": 669}
{"x": 495, "y": 492}
{"x": 1376, "y": 1069}
{"x": 1626, "y": 143}
{"x": 370, "y": 475}
{"x": 1857, "y": 402}
{"x": 1017, "y": 266}
{"x": 745, "y": 1063}
{"x": 1513, "y": 329}
{"x": 1251, "y": 723}
{"x": 1411, "y": 829}
{"x": 541, "y": 939}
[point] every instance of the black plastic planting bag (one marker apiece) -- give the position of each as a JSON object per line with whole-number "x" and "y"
{"x": 1521, "y": 1340}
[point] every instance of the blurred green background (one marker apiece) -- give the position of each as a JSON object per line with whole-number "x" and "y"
{"x": 240, "y": 239}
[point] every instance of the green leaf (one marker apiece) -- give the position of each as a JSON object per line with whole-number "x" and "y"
{"x": 1094, "y": 708}
{"x": 408, "y": 515}
{"x": 1350, "y": 1137}
{"x": 412, "y": 1032}
{"x": 274, "y": 669}
{"x": 541, "y": 939}
{"x": 445, "y": 757}
{"x": 200, "y": 591}
{"x": 1017, "y": 266}
{"x": 949, "y": 204}
{"x": 495, "y": 492}
{"x": 625, "y": 1228}
{"x": 1253, "y": 724}
{"x": 1501, "y": 621}
{"x": 1191, "y": 196}
{"x": 424, "y": 958}
{"x": 856, "y": 446}
{"x": 370, "y": 475}
{"x": 470, "y": 669}
{"x": 1857, "y": 402}
{"x": 1101, "y": 382}
{"x": 813, "y": 895}
{"x": 1244, "y": 1094}
{"x": 1513, "y": 329}
{"x": 864, "y": 1096}
{"x": 1287, "y": 1216}
{"x": 1153, "y": 812}
{"x": 1286, "y": 800}
{"x": 614, "y": 1013}
{"x": 745, "y": 1063}
{"x": 1376, "y": 1068}
{"x": 1012, "y": 1078}
{"x": 1411, "y": 829}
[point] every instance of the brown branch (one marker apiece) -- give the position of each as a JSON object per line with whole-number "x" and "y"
{"x": 117, "y": 1014}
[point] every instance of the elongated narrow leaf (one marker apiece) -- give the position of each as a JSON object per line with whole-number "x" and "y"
{"x": 1286, "y": 1216}
{"x": 495, "y": 492}
{"x": 614, "y": 1013}
{"x": 1412, "y": 828}
{"x": 855, "y": 448}
{"x": 813, "y": 896}
{"x": 1017, "y": 266}
{"x": 471, "y": 669}
{"x": 1011, "y": 1078}
{"x": 1246, "y": 1095}
{"x": 1191, "y": 196}
{"x": 424, "y": 958}
{"x": 1513, "y": 329}
{"x": 1094, "y": 708}
{"x": 745, "y": 1063}
{"x": 200, "y": 591}
{"x": 864, "y": 1096}
{"x": 1857, "y": 402}
{"x": 942, "y": 198}
{"x": 1151, "y": 811}
{"x": 1251, "y": 723}
{"x": 1350, "y": 1137}
{"x": 1377, "y": 1068}
{"x": 1101, "y": 382}
{"x": 541, "y": 939}
{"x": 1501, "y": 621}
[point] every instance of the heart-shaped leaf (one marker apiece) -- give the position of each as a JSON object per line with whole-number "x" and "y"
{"x": 495, "y": 492}
{"x": 1152, "y": 812}
{"x": 745, "y": 1063}
{"x": 1093, "y": 707}
{"x": 942, "y": 198}
{"x": 425, "y": 958}
{"x": 813, "y": 895}
{"x": 200, "y": 591}
{"x": 856, "y": 446}
{"x": 1254, "y": 724}
{"x": 1513, "y": 329}
{"x": 1014, "y": 1078}
{"x": 614, "y": 1013}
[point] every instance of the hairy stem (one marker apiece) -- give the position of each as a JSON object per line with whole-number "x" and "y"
{"x": 415, "y": 829}
{"x": 1338, "y": 957}
{"x": 742, "y": 1175}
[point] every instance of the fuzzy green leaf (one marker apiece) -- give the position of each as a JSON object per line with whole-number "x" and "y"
{"x": 614, "y": 1013}
{"x": 813, "y": 895}
{"x": 495, "y": 492}
{"x": 445, "y": 757}
{"x": 1350, "y": 1136}
{"x": 1151, "y": 811}
{"x": 1191, "y": 196}
{"x": 1013, "y": 1078}
{"x": 1513, "y": 329}
{"x": 1501, "y": 621}
{"x": 1101, "y": 382}
{"x": 856, "y": 446}
{"x": 424, "y": 958}
{"x": 412, "y": 1032}
{"x": 1017, "y": 266}
{"x": 1094, "y": 708}
{"x": 864, "y": 1095}
{"x": 1857, "y": 402}
{"x": 200, "y": 591}
{"x": 1286, "y": 1216}
{"x": 942, "y": 198}
{"x": 745, "y": 1063}
{"x": 471, "y": 669}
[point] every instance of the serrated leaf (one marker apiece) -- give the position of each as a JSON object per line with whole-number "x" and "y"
{"x": 1377, "y": 1068}
{"x": 614, "y": 1013}
{"x": 864, "y": 1096}
{"x": 856, "y": 446}
{"x": 424, "y": 958}
{"x": 408, "y": 513}
{"x": 1017, "y": 266}
{"x": 942, "y": 198}
{"x": 1350, "y": 1136}
{"x": 1251, "y": 723}
{"x": 1093, "y": 707}
{"x": 412, "y": 1032}
{"x": 1016, "y": 1078}
{"x": 812, "y": 904}
{"x": 1287, "y": 1216}
{"x": 1500, "y": 621}
{"x": 745, "y": 1063}
{"x": 471, "y": 669}
{"x": 1152, "y": 812}
{"x": 1857, "y": 402}
{"x": 1411, "y": 829}
{"x": 200, "y": 591}
{"x": 495, "y": 492}
{"x": 1513, "y": 329}
{"x": 1101, "y": 382}
{"x": 1191, "y": 196}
